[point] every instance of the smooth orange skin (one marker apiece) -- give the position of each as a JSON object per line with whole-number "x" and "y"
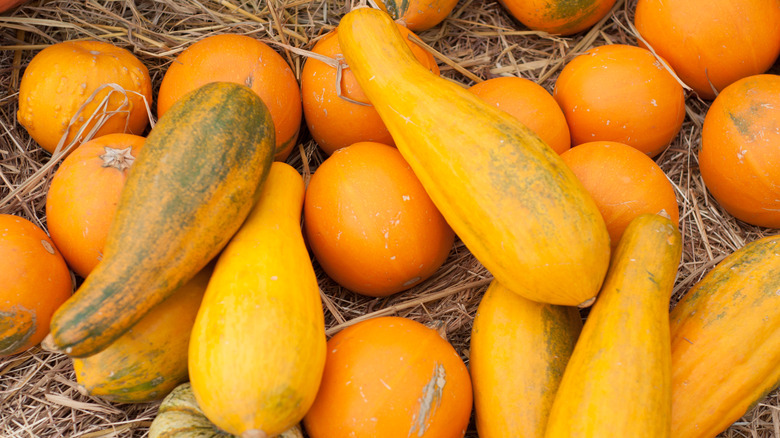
{"x": 711, "y": 44}
{"x": 740, "y": 150}
{"x": 621, "y": 93}
{"x": 334, "y": 122}
{"x": 61, "y": 77}
{"x": 530, "y": 103}
{"x": 562, "y": 17}
{"x": 374, "y": 381}
{"x": 82, "y": 200}
{"x": 418, "y": 15}
{"x": 35, "y": 281}
{"x": 243, "y": 60}
{"x": 624, "y": 182}
{"x": 370, "y": 224}
{"x": 7, "y": 5}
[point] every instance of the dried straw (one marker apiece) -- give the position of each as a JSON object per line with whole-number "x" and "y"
{"x": 478, "y": 41}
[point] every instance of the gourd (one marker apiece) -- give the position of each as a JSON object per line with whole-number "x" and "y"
{"x": 257, "y": 349}
{"x": 726, "y": 342}
{"x": 618, "y": 380}
{"x": 507, "y": 195}
{"x": 150, "y": 359}
{"x": 179, "y": 416}
{"x": 418, "y": 15}
{"x": 189, "y": 190}
{"x": 6, "y": 5}
{"x": 519, "y": 350}
{"x": 562, "y": 17}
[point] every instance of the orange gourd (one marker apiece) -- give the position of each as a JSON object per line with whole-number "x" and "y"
{"x": 418, "y": 15}
{"x": 83, "y": 195}
{"x": 621, "y": 93}
{"x": 624, "y": 182}
{"x": 7, "y": 5}
{"x": 370, "y": 224}
{"x": 391, "y": 377}
{"x": 740, "y": 150}
{"x": 333, "y": 121}
{"x": 35, "y": 281}
{"x": 530, "y": 103}
{"x": 711, "y": 44}
{"x": 562, "y": 17}
{"x": 243, "y": 60}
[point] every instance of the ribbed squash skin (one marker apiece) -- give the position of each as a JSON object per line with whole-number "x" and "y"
{"x": 726, "y": 341}
{"x": 179, "y": 416}
{"x": 150, "y": 359}
{"x": 618, "y": 380}
{"x": 257, "y": 350}
{"x": 189, "y": 190}
{"x": 507, "y": 195}
{"x": 519, "y": 350}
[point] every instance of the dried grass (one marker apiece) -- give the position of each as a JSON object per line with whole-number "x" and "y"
{"x": 38, "y": 397}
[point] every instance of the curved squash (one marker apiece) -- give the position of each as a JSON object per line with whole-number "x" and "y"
{"x": 189, "y": 190}
{"x": 508, "y": 196}
{"x": 257, "y": 350}
{"x": 726, "y": 341}
{"x": 179, "y": 416}
{"x": 519, "y": 351}
{"x": 150, "y": 359}
{"x": 618, "y": 380}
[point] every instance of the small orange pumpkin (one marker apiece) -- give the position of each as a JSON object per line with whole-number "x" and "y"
{"x": 60, "y": 79}
{"x": 334, "y": 122}
{"x": 391, "y": 377}
{"x": 562, "y": 17}
{"x": 84, "y": 194}
{"x": 740, "y": 150}
{"x": 418, "y": 15}
{"x": 243, "y": 60}
{"x": 35, "y": 281}
{"x": 7, "y": 5}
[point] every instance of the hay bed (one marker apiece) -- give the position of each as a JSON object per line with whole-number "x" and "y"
{"x": 479, "y": 40}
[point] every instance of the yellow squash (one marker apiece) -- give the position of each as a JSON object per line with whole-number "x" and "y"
{"x": 508, "y": 196}
{"x": 257, "y": 350}
{"x": 519, "y": 350}
{"x": 618, "y": 380}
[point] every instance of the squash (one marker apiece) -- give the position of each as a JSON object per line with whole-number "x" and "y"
{"x": 150, "y": 359}
{"x": 618, "y": 380}
{"x": 179, "y": 416}
{"x": 519, "y": 350}
{"x": 418, "y": 15}
{"x": 7, "y": 5}
{"x": 191, "y": 187}
{"x": 257, "y": 349}
{"x": 561, "y": 17}
{"x": 507, "y": 195}
{"x": 726, "y": 341}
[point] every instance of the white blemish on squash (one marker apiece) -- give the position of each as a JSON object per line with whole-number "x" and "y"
{"x": 429, "y": 401}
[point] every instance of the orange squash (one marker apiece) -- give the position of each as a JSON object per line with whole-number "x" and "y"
{"x": 391, "y": 377}
{"x": 519, "y": 350}
{"x": 726, "y": 342}
{"x": 35, "y": 281}
{"x": 484, "y": 171}
{"x": 711, "y": 44}
{"x": 418, "y": 15}
{"x": 740, "y": 150}
{"x": 562, "y": 17}
{"x": 257, "y": 350}
{"x": 7, "y": 5}
{"x": 83, "y": 195}
{"x": 618, "y": 380}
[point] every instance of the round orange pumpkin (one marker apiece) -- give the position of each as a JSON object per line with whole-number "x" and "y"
{"x": 370, "y": 224}
{"x": 418, "y": 15}
{"x": 34, "y": 281}
{"x": 335, "y": 122}
{"x": 242, "y": 60}
{"x": 621, "y": 93}
{"x": 84, "y": 194}
{"x": 391, "y": 377}
{"x": 562, "y": 17}
{"x": 623, "y": 182}
{"x": 740, "y": 150}
{"x": 62, "y": 77}
{"x": 711, "y": 43}
{"x": 530, "y": 103}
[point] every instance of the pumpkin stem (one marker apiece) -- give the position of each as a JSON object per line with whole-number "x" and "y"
{"x": 254, "y": 433}
{"x": 120, "y": 159}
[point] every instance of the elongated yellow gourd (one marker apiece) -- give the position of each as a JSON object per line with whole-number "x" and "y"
{"x": 618, "y": 380}
{"x": 508, "y": 196}
{"x": 519, "y": 350}
{"x": 257, "y": 350}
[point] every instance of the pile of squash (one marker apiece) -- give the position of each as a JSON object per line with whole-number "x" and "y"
{"x": 205, "y": 277}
